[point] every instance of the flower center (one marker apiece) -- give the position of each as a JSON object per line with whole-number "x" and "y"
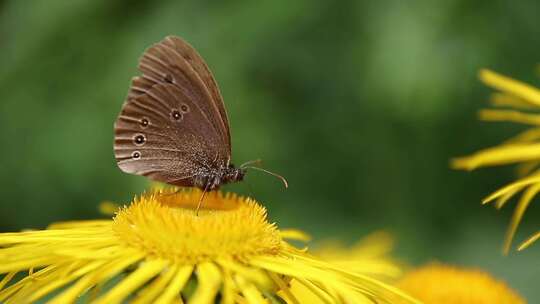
{"x": 166, "y": 225}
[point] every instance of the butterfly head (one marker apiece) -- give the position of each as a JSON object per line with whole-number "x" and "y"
{"x": 233, "y": 174}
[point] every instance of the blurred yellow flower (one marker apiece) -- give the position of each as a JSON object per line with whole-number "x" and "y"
{"x": 520, "y": 99}
{"x": 157, "y": 250}
{"x": 441, "y": 284}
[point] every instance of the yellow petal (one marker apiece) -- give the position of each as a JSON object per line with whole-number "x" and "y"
{"x": 499, "y": 155}
{"x": 505, "y": 100}
{"x": 254, "y": 275}
{"x": 99, "y": 275}
{"x": 21, "y": 288}
{"x": 294, "y": 234}
{"x": 527, "y": 136}
{"x": 177, "y": 284}
{"x": 209, "y": 280}
{"x": 61, "y": 278}
{"x": 512, "y": 86}
{"x": 6, "y": 279}
{"x": 152, "y": 291}
{"x": 510, "y": 116}
{"x": 518, "y": 214}
{"x": 528, "y": 242}
{"x": 519, "y": 184}
{"x": 250, "y": 292}
{"x": 143, "y": 274}
{"x": 229, "y": 288}
{"x": 501, "y": 200}
{"x": 314, "y": 289}
{"x": 283, "y": 288}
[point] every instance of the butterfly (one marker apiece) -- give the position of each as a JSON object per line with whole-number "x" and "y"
{"x": 173, "y": 126}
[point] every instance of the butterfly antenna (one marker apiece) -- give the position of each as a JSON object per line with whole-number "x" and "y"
{"x": 250, "y": 163}
{"x": 268, "y": 172}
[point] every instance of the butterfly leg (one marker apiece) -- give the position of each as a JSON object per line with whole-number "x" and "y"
{"x": 199, "y": 205}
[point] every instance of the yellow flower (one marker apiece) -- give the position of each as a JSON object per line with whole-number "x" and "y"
{"x": 521, "y": 100}
{"x": 157, "y": 250}
{"x": 441, "y": 284}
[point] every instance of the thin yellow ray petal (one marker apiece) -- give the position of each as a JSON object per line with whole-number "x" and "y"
{"x": 519, "y": 184}
{"x": 371, "y": 267}
{"x": 177, "y": 284}
{"x": 518, "y": 215}
{"x": 22, "y": 285}
{"x": 505, "y": 100}
{"x": 283, "y": 288}
{"x": 501, "y": 200}
{"x": 54, "y": 234}
{"x": 504, "y": 190}
{"x": 229, "y": 288}
{"x": 62, "y": 279}
{"x": 252, "y": 274}
{"x": 80, "y": 224}
{"x": 208, "y": 284}
{"x": 315, "y": 270}
{"x": 83, "y": 253}
{"x": 27, "y": 264}
{"x": 8, "y": 292}
{"x": 347, "y": 273}
{"x": 510, "y": 116}
{"x": 499, "y": 155}
{"x": 294, "y": 270}
{"x": 100, "y": 275}
{"x": 329, "y": 289}
{"x": 6, "y": 279}
{"x": 318, "y": 292}
{"x": 312, "y": 269}
{"x": 240, "y": 299}
{"x": 300, "y": 270}
{"x": 146, "y": 271}
{"x": 36, "y": 287}
{"x": 527, "y": 136}
{"x": 529, "y": 241}
{"x": 250, "y": 292}
{"x": 512, "y": 86}
{"x": 343, "y": 292}
{"x": 149, "y": 293}
{"x": 295, "y": 234}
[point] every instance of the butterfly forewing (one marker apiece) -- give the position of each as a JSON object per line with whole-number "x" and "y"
{"x": 163, "y": 63}
{"x": 200, "y": 67}
{"x": 171, "y": 128}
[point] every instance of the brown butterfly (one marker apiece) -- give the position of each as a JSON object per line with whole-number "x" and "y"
{"x": 173, "y": 126}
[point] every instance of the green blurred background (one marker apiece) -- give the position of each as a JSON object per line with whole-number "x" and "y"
{"x": 360, "y": 104}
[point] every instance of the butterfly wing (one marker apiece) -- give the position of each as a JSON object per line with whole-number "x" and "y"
{"x": 201, "y": 68}
{"x": 170, "y": 128}
{"x": 175, "y": 61}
